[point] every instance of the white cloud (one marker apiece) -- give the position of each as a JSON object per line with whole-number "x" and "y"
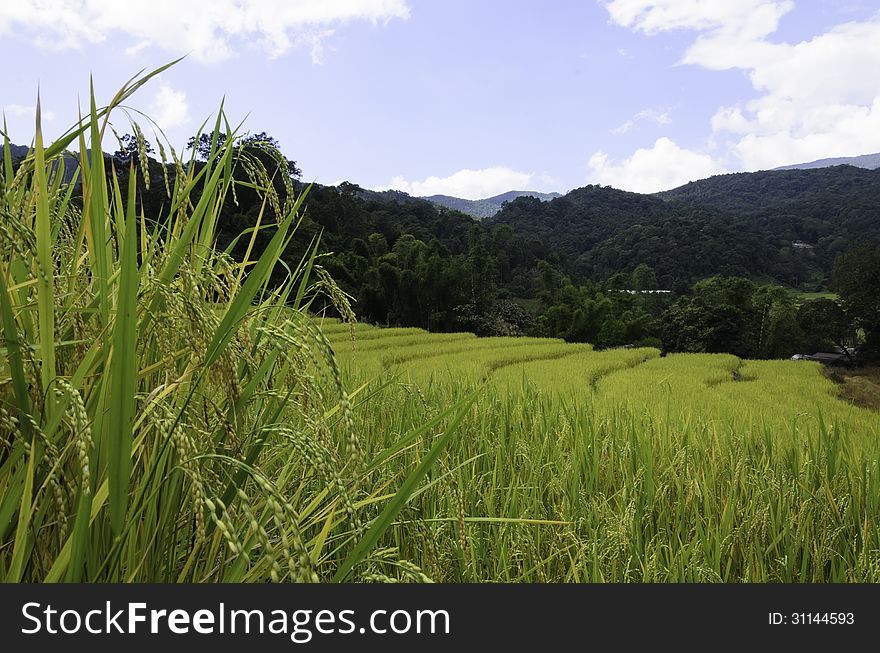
{"x": 655, "y": 116}
{"x": 817, "y": 98}
{"x": 820, "y": 97}
{"x": 27, "y": 111}
{"x": 467, "y": 184}
{"x": 650, "y": 115}
{"x": 546, "y": 181}
{"x": 753, "y": 18}
{"x": 169, "y": 108}
{"x": 829, "y": 131}
{"x": 730, "y": 119}
{"x": 210, "y": 29}
{"x": 624, "y": 128}
{"x": 133, "y": 50}
{"x": 663, "y": 166}
{"x": 318, "y": 48}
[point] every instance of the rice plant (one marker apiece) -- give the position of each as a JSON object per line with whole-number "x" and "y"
{"x": 575, "y": 374}
{"x": 620, "y": 466}
{"x": 169, "y": 413}
{"x": 479, "y": 364}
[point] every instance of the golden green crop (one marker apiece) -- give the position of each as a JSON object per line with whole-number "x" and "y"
{"x": 167, "y": 413}
{"x": 620, "y": 465}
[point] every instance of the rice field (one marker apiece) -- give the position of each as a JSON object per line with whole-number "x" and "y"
{"x": 621, "y": 465}
{"x": 778, "y": 395}
{"x": 576, "y": 373}
{"x": 404, "y": 359}
{"x": 709, "y": 387}
{"x": 169, "y": 414}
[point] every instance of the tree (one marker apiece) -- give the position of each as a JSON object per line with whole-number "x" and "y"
{"x": 202, "y": 145}
{"x": 619, "y": 281}
{"x": 718, "y": 317}
{"x": 644, "y": 277}
{"x": 262, "y": 140}
{"x": 128, "y": 148}
{"x": 857, "y": 281}
{"x": 778, "y": 333}
{"x": 825, "y": 322}
{"x": 378, "y": 245}
{"x": 782, "y": 335}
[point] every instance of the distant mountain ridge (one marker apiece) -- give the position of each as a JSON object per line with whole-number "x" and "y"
{"x": 486, "y": 208}
{"x": 788, "y": 225}
{"x": 18, "y": 151}
{"x": 71, "y": 163}
{"x": 753, "y": 191}
{"x": 869, "y": 161}
{"x": 785, "y": 225}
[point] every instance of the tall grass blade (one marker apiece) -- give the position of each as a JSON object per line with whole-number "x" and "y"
{"x": 22, "y": 530}
{"x": 123, "y": 369}
{"x": 389, "y": 513}
{"x": 45, "y": 282}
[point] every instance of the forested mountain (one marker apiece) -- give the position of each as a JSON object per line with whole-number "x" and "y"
{"x": 746, "y": 192}
{"x": 489, "y": 206}
{"x": 809, "y": 217}
{"x": 71, "y": 164}
{"x": 574, "y": 225}
{"x": 577, "y": 266}
{"x": 785, "y": 226}
{"x": 17, "y": 151}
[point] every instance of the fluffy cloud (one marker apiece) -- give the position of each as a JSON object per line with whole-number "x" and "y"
{"x": 210, "y": 29}
{"x": 467, "y": 184}
{"x": 817, "y": 98}
{"x": 169, "y": 108}
{"x": 752, "y": 18}
{"x": 829, "y": 131}
{"x": 663, "y": 166}
{"x": 821, "y": 98}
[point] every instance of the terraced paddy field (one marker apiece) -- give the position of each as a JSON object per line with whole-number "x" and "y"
{"x": 621, "y": 465}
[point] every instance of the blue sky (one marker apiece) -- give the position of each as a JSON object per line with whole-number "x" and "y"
{"x": 473, "y": 97}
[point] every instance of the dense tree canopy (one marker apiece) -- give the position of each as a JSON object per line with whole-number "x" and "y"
{"x": 788, "y": 226}
{"x": 857, "y": 280}
{"x": 826, "y": 325}
{"x": 701, "y": 268}
{"x": 262, "y": 140}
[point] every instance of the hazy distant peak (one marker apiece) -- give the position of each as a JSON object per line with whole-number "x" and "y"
{"x": 486, "y": 208}
{"x": 869, "y": 161}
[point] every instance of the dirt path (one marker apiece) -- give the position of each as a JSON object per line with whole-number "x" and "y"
{"x": 857, "y": 386}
